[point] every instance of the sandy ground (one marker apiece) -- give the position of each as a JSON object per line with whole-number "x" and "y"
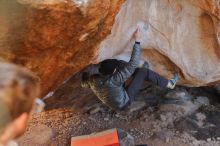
{"x": 160, "y": 117}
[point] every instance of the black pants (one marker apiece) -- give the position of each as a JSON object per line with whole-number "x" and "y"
{"x": 141, "y": 75}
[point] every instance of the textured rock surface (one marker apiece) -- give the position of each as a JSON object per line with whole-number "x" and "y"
{"x": 54, "y": 38}
{"x": 57, "y": 38}
{"x": 179, "y": 36}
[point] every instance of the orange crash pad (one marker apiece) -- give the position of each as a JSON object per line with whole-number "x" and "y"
{"x": 106, "y": 138}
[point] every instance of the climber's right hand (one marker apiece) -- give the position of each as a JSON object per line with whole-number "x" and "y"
{"x": 137, "y": 35}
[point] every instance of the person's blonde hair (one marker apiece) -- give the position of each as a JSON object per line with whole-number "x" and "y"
{"x": 18, "y": 90}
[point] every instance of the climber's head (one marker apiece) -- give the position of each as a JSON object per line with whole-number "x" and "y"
{"x": 109, "y": 66}
{"x": 18, "y": 91}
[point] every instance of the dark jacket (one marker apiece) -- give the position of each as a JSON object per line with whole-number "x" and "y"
{"x": 109, "y": 89}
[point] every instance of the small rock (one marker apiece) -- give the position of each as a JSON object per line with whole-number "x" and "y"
{"x": 92, "y": 119}
{"x": 150, "y": 109}
{"x": 162, "y": 118}
{"x": 136, "y": 105}
{"x": 106, "y": 119}
{"x": 195, "y": 142}
{"x": 201, "y": 100}
{"x": 123, "y": 117}
{"x": 209, "y": 139}
{"x": 117, "y": 115}
{"x": 200, "y": 116}
{"x": 218, "y": 138}
{"x": 126, "y": 139}
{"x": 167, "y": 139}
{"x": 178, "y": 95}
{"x": 94, "y": 110}
{"x": 170, "y": 117}
{"x": 89, "y": 106}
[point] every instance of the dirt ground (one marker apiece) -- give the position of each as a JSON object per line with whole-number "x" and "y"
{"x": 160, "y": 117}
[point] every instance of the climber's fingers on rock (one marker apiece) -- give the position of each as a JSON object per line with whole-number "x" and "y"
{"x": 137, "y": 34}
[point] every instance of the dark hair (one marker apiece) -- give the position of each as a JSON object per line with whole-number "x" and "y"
{"x": 108, "y": 66}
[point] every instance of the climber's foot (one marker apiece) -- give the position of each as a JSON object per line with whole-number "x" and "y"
{"x": 173, "y": 81}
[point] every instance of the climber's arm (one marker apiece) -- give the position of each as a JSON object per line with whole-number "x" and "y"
{"x": 123, "y": 74}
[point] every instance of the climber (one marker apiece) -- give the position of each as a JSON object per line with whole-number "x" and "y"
{"x": 18, "y": 91}
{"x": 108, "y": 84}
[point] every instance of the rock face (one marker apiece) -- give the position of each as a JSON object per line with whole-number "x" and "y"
{"x": 54, "y": 38}
{"x": 57, "y": 38}
{"x": 177, "y": 36}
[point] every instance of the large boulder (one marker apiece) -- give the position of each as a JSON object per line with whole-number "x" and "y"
{"x": 178, "y": 36}
{"x": 54, "y": 38}
{"x": 57, "y": 38}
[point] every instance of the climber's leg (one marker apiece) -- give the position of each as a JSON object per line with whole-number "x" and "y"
{"x": 141, "y": 75}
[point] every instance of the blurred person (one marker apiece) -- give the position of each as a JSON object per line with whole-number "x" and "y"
{"x": 18, "y": 91}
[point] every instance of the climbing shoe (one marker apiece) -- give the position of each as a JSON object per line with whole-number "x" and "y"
{"x": 173, "y": 81}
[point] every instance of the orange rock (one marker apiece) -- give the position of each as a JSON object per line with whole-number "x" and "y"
{"x": 54, "y": 38}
